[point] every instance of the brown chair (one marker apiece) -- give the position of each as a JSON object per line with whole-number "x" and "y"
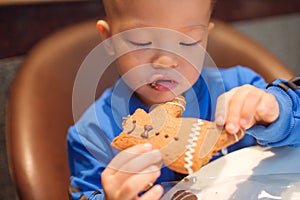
{"x": 39, "y": 110}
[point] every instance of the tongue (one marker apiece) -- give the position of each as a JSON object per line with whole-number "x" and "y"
{"x": 165, "y": 85}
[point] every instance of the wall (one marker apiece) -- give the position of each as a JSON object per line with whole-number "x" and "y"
{"x": 8, "y": 68}
{"x": 280, "y": 34}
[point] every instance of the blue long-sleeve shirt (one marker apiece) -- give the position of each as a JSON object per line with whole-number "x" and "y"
{"x": 89, "y": 139}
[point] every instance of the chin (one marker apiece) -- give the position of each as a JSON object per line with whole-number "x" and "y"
{"x": 153, "y": 98}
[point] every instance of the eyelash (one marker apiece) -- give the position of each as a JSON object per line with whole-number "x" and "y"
{"x": 149, "y": 43}
{"x": 189, "y": 44}
{"x": 140, "y": 44}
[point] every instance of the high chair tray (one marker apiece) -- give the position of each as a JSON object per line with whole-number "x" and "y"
{"x": 250, "y": 173}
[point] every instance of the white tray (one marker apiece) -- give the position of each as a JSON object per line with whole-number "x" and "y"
{"x": 247, "y": 174}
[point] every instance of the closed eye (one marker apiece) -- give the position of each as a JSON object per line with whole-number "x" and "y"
{"x": 189, "y": 44}
{"x": 141, "y": 44}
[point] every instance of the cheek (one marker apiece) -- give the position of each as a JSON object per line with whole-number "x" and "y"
{"x": 191, "y": 75}
{"x": 204, "y": 43}
{"x": 189, "y": 72}
{"x": 131, "y": 60}
{"x": 123, "y": 64}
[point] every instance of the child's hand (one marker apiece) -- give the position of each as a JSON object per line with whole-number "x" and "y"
{"x": 245, "y": 106}
{"x": 130, "y": 172}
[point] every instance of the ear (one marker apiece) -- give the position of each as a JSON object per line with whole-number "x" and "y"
{"x": 105, "y": 35}
{"x": 211, "y": 25}
{"x": 103, "y": 29}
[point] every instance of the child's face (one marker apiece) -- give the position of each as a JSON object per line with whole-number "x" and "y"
{"x": 176, "y": 26}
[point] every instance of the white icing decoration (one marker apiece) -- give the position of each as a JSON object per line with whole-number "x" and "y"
{"x": 180, "y": 99}
{"x": 177, "y": 104}
{"x": 192, "y": 143}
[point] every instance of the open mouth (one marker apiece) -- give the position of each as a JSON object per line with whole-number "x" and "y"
{"x": 164, "y": 85}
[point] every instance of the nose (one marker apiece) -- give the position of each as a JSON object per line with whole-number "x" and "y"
{"x": 165, "y": 60}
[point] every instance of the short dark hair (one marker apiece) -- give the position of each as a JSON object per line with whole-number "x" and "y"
{"x": 107, "y": 6}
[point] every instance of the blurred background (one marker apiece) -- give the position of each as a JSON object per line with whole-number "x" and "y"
{"x": 274, "y": 24}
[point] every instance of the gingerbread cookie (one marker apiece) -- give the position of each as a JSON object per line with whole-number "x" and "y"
{"x": 179, "y": 139}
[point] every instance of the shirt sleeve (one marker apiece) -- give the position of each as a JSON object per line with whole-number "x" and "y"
{"x": 285, "y": 130}
{"x": 87, "y": 160}
{"x": 84, "y": 168}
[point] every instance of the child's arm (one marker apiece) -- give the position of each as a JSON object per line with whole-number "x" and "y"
{"x": 272, "y": 114}
{"x": 285, "y": 130}
{"x": 85, "y": 168}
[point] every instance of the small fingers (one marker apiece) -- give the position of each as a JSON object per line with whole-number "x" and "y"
{"x": 154, "y": 193}
{"x": 249, "y": 109}
{"x": 125, "y": 156}
{"x": 237, "y": 106}
{"x": 130, "y": 171}
{"x": 268, "y": 109}
{"x": 230, "y": 106}
{"x": 244, "y": 106}
{"x": 222, "y": 107}
{"x": 138, "y": 182}
{"x": 135, "y": 160}
{"x": 260, "y": 108}
{"x": 140, "y": 165}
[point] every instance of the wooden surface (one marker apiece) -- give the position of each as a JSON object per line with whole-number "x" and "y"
{"x": 23, "y": 25}
{"x": 10, "y": 2}
{"x": 235, "y": 10}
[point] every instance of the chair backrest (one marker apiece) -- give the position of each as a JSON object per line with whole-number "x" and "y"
{"x": 39, "y": 111}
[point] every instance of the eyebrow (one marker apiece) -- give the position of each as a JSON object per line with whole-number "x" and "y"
{"x": 192, "y": 27}
{"x": 141, "y": 25}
